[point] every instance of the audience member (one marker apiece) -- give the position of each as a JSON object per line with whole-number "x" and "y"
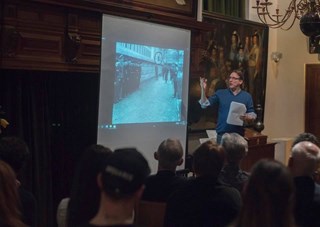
{"x": 121, "y": 184}
{"x": 84, "y": 198}
{"x": 236, "y": 148}
{"x": 306, "y": 136}
{"x": 268, "y": 197}
{"x": 204, "y": 201}
{"x": 9, "y": 199}
{"x": 161, "y": 185}
{"x": 14, "y": 151}
{"x": 303, "y": 162}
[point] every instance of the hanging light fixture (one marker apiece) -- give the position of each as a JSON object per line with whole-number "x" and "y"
{"x": 307, "y": 11}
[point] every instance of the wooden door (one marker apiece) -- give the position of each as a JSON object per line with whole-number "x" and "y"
{"x": 312, "y": 106}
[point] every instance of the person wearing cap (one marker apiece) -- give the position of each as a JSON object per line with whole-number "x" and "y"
{"x": 121, "y": 185}
{"x": 161, "y": 185}
{"x": 223, "y": 99}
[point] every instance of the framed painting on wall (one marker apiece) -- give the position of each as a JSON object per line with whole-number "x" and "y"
{"x": 232, "y": 44}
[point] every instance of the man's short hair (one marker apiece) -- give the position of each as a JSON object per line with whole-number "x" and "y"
{"x": 306, "y": 136}
{"x": 14, "y": 151}
{"x": 306, "y": 156}
{"x": 235, "y": 146}
{"x": 125, "y": 172}
{"x": 169, "y": 152}
{"x": 208, "y": 159}
{"x": 239, "y": 73}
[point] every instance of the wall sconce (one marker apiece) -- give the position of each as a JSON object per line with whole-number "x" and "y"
{"x": 276, "y": 56}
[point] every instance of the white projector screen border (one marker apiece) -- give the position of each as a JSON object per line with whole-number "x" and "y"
{"x": 144, "y": 85}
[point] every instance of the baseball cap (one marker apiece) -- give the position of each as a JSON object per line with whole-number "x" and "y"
{"x": 125, "y": 172}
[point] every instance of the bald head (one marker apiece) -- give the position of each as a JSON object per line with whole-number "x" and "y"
{"x": 305, "y": 158}
{"x": 169, "y": 154}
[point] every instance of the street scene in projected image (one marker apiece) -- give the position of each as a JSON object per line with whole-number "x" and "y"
{"x": 148, "y": 84}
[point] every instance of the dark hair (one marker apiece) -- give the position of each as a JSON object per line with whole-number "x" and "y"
{"x": 240, "y": 47}
{"x": 256, "y": 34}
{"x": 235, "y": 34}
{"x": 85, "y": 193}
{"x": 268, "y": 196}
{"x": 306, "y": 136}
{"x": 14, "y": 151}
{"x": 208, "y": 159}
{"x": 239, "y": 73}
{"x": 9, "y": 199}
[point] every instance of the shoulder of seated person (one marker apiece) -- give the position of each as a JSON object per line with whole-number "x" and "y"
{"x": 25, "y": 194}
{"x": 317, "y": 192}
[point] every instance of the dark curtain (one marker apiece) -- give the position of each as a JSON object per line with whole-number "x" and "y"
{"x": 56, "y": 114}
{"x": 235, "y": 8}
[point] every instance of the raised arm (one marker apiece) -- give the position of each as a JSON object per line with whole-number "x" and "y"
{"x": 203, "y": 86}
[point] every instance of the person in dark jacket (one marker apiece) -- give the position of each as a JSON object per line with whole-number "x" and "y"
{"x": 204, "y": 201}
{"x": 236, "y": 148}
{"x": 161, "y": 185}
{"x": 304, "y": 160}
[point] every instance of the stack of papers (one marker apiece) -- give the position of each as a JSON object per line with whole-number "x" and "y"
{"x": 212, "y": 135}
{"x": 236, "y": 111}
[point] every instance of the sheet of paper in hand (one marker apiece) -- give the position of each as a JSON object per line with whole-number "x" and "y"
{"x": 236, "y": 110}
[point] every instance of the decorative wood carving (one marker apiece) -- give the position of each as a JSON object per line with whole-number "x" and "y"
{"x": 65, "y": 35}
{"x": 173, "y": 8}
{"x": 10, "y": 39}
{"x": 72, "y": 39}
{"x": 45, "y": 37}
{"x": 72, "y": 45}
{"x": 176, "y": 7}
{"x": 82, "y": 43}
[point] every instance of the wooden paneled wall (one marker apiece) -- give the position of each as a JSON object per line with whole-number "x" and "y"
{"x": 53, "y": 38}
{"x": 65, "y": 35}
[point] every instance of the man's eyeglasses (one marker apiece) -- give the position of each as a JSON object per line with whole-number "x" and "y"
{"x": 234, "y": 78}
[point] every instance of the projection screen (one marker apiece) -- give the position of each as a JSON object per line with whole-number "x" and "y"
{"x": 144, "y": 79}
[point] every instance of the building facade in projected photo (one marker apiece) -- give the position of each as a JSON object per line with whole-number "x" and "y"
{"x": 148, "y": 84}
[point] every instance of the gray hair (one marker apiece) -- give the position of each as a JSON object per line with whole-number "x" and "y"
{"x": 170, "y": 151}
{"x": 235, "y": 146}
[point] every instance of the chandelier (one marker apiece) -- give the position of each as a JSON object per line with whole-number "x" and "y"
{"x": 307, "y": 11}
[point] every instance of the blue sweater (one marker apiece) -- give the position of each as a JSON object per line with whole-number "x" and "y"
{"x": 223, "y": 99}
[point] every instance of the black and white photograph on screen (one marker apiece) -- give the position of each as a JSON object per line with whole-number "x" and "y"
{"x": 144, "y": 84}
{"x": 148, "y": 82}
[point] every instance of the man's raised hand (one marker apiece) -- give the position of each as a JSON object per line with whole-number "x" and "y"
{"x": 203, "y": 83}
